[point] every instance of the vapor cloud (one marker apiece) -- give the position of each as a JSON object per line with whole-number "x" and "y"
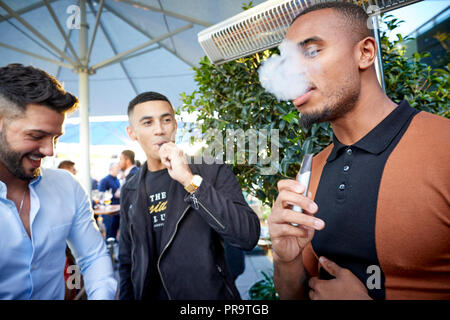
{"x": 284, "y": 75}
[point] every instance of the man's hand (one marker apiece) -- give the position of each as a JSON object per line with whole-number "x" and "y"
{"x": 346, "y": 286}
{"x": 288, "y": 241}
{"x": 176, "y": 163}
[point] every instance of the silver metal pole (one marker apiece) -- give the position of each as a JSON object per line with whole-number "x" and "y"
{"x": 59, "y": 63}
{"x": 379, "y": 61}
{"x": 148, "y": 35}
{"x": 167, "y": 12}
{"x": 123, "y": 55}
{"x": 97, "y": 21}
{"x": 35, "y": 32}
{"x": 83, "y": 84}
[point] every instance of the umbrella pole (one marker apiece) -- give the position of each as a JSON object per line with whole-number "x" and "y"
{"x": 83, "y": 84}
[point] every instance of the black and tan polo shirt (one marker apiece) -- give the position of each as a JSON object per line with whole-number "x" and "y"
{"x": 386, "y": 204}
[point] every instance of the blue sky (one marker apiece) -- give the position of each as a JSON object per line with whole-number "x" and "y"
{"x": 417, "y": 14}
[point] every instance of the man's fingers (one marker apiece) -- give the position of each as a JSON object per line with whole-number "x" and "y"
{"x": 290, "y": 184}
{"x": 312, "y": 282}
{"x": 330, "y": 266}
{"x": 287, "y": 198}
{"x": 287, "y": 230}
{"x": 312, "y": 285}
{"x": 165, "y": 160}
{"x": 303, "y": 219}
{"x": 287, "y": 216}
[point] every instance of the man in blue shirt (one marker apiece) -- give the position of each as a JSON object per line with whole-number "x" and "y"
{"x": 111, "y": 182}
{"x": 41, "y": 209}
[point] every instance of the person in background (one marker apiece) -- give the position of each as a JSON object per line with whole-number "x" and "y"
{"x": 175, "y": 217}
{"x": 40, "y": 208}
{"x": 128, "y": 164}
{"x": 68, "y": 165}
{"x": 111, "y": 182}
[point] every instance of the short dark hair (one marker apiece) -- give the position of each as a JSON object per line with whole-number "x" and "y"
{"x": 353, "y": 13}
{"x": 66, "y": 164}
{"x": 20, "y": 86}
{"x": 144, "y": 97}
{"x": 129, "y": 154}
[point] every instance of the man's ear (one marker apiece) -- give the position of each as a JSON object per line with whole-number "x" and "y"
{"x": 131, "y": 133}
{"x": 366, "y": 52}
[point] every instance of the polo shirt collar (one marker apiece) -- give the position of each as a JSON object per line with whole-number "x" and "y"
{"x": 380, "y": 137}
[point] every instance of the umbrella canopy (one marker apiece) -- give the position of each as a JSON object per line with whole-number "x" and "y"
{"x": 106, "y": 52}
{"x": 163, "y": 65}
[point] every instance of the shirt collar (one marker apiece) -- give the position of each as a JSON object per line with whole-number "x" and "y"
{"x": 127, "y": 171}
{"x": 380, "y": 137}
{"x": 4, "y": 189}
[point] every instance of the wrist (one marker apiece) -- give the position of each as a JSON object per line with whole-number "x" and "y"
{"x": 187, "y": 179}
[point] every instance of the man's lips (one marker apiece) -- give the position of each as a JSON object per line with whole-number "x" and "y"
{"x": 159, "y": 144}
{"x": 303, "y": 98}
{"x": 34, "y": 160}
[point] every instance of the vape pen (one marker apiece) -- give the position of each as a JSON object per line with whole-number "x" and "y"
{"x": 304, "y": 177}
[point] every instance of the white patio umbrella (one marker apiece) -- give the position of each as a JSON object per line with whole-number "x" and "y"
{"x": 108, "y": 51}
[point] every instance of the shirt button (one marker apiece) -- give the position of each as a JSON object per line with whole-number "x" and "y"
{"x": 342, "y": 186}
{"x": 346, "y": 168}
{"x": 349, "y": 152}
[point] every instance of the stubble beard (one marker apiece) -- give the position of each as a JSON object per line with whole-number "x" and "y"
{"x": 345, "y": 101}
{"x": 12, "y": 160}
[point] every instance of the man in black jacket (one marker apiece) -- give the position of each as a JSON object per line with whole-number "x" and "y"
{"x": 175, "y": 217}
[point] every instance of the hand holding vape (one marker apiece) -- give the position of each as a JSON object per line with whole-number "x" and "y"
{"x": 304, "y": 177}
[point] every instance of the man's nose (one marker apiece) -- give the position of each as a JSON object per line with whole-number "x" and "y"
{"x": 48, "y": 147}
{"x": 158, "y": 128}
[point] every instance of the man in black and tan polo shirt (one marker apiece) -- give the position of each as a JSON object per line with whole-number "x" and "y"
{"x": 376, "y": 223}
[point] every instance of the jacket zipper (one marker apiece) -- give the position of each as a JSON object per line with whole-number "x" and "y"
{"x": 196, "y": 203}
{"x": 167, "y": 245}
{"x": 225, "y": 281}
{"x": 132, "y": 255}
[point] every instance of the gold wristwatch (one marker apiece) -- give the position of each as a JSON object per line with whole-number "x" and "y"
{"x": 195, "y": 183}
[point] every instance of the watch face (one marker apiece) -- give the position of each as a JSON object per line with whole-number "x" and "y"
{"x": 197, "y": 180}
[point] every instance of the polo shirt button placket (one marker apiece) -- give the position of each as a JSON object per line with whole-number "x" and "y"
{"x": 349, "y": 152}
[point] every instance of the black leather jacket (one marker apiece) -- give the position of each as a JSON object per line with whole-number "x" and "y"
{"x": 192, "y": 262}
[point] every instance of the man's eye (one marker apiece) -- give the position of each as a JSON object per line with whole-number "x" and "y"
{"x": 33, "y": 137}
{"x": 311, "y": 52}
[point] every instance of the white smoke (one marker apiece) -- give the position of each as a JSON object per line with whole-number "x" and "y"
{"x": 283, "y": 75}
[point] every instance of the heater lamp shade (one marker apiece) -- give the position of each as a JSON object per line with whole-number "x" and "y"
{"x": 264, "y": 26}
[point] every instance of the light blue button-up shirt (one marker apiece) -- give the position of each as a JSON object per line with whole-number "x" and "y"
{"x": 60, "y": 211}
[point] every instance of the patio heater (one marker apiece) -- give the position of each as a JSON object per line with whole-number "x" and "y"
{"x": 264, "y": 26}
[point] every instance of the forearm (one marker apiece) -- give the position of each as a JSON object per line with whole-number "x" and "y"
{"x": 290, "y": 279}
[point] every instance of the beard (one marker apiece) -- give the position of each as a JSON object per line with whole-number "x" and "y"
{"x": 345, "y": 101}
{"x": 12, "y": 160}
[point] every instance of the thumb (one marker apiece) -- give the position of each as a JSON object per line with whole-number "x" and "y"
{"x": 330, "y": 266}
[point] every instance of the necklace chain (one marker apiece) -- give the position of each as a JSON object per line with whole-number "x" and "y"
{"x": 21, "y": 202}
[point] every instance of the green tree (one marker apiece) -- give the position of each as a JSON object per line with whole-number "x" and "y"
{"x": 410, "y": 78}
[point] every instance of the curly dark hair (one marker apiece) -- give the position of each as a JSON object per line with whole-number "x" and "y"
{"x": 20, "y": 86}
